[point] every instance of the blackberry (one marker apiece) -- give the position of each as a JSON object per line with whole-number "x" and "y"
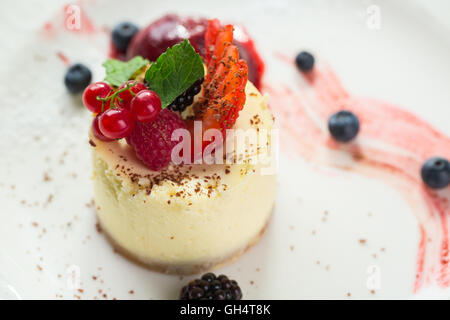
{"x": 187, "y": 98}
{"x": 210, "y": 287}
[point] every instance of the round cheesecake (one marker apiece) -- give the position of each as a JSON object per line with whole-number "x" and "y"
{"x": 185, "y": 219}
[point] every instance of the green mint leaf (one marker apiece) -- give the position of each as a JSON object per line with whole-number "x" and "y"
{"x": 118, "y": 72}
{"x": 174, "y": 72}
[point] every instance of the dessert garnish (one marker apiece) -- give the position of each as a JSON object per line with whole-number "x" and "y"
{"x": 152, "y": 140}
{"x": 210, "y": 287}
{"x": 122, "y": 35}
{"x": 125, "y": 97}
{"x": 93, "y": 95}
{"x": 185, "y": 100}
{"x": 116, "y": 123}
{"x": 174, "y": 72}
{"x": 153, "y": 40}
{"x": 435, "y": 173}
{"x": 118, "y": 72}
{"x": 145, "y": 105}
{"x": 77, "y": 78}
{"x": 96, "y": 130}
{"x": 304, "y": 61}
{"x": 343, "y": 126}
{"x": 224, "y": 85}
{"x": 141, "y": 100}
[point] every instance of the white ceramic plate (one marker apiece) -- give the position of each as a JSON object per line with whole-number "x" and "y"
{"x": 49, "y": 246}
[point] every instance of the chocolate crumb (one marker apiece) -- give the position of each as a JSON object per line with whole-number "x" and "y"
{"x": 49, "y": 200}
{"x": 92, "y": 143}
{"x": 47, "y": 177}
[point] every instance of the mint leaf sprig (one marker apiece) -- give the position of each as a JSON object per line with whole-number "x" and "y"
{"x": 174, "y": 72}
{"x": 118, "y": 72}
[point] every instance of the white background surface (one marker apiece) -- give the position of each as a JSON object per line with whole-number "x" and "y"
{"x": 302, "y": 255}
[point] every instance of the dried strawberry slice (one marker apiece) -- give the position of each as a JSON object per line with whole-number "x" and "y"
{"x": 210, "y": 37}
{"x": 224, "y": 87}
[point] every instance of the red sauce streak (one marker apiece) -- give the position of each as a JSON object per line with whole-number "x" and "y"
{"x": 48, "y": 30}
{"x": 48, "y": 26}
{"x": 302, "y": 113}
{"x": 63, "y": 58}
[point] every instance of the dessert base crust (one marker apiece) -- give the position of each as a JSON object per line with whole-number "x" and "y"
{"x": 183, "y": 269}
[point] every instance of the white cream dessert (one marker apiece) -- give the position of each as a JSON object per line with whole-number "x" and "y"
{"x": 156, "y": 207}
{"x": 184, "y": 219}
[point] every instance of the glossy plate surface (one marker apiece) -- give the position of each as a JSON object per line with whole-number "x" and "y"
{"x": 334, "y": 233}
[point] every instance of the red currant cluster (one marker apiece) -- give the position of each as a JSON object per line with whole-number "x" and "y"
{"x": 117, "y": 109}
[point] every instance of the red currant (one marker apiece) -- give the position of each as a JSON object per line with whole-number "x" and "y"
{"x": 116, "y": 123}
{"x": 96, "y": 130}
{"x": 125, "y": 96}
{"x": 92, "y": 94}
{"x": 146, "y": 106}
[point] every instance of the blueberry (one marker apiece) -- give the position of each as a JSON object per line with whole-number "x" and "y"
{"x": 77, "y": 78}
{"x": 304, "y": 61}
{"x": 122, "y": 35}
{"x": 343, "y": 126}
{"x": 436, "y": 173}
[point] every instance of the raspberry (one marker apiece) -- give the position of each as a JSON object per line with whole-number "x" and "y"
{"x": 152, "y": 141}
{"x": 210, "y": 287}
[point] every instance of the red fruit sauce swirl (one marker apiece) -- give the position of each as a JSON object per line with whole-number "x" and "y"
{"x": 297, "y": 111}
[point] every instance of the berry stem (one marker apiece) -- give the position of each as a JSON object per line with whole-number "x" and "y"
{"x": 115, "y": 95}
